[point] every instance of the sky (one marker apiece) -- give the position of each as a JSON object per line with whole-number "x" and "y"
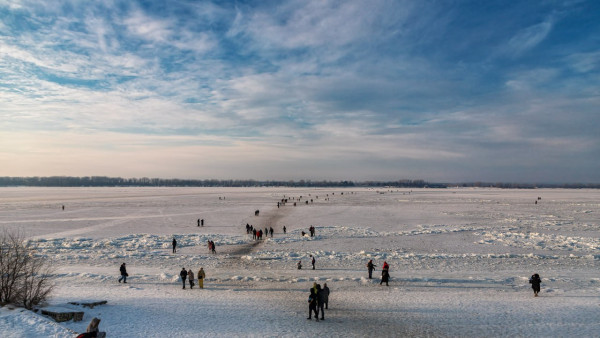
{"x": 444, "y": 91}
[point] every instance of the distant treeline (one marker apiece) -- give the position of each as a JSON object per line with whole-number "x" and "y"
{"x": 103, "y": 181}
{"x": 526, "y": 185}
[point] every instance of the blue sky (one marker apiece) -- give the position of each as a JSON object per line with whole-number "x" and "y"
{"x": 445, "y": 91}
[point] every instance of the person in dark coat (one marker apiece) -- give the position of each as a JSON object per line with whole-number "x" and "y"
{"x": 313, "y": 261}
{"x": 174, "y": 245}
{"x": 326, "y": 295}
{"x": 312, "y": 305}
{"x": 284, "y": 229}
{"x": 371, "y": 267}
{"x": 124, "y": 273}
{"x": 183, "y": 274}
{"x": 299, "y": 265}
{"x": 320, "y": 302}
{"x": 385, "y": 274}
{"x": 535, "y": 282}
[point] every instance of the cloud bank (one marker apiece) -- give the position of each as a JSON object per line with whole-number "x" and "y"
{"x": 301, "y": 90}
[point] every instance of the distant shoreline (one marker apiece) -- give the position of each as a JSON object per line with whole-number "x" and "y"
{"x": 103, "y": 181}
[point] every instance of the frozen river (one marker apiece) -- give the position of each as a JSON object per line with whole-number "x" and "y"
{"x": 460, "y": 260}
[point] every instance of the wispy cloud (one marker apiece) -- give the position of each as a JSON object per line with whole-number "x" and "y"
{"x": 529, "y": 37}
{"x": 297, "y": 89}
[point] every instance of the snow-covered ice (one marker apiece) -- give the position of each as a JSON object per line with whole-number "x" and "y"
{"x": 460, "y": 260}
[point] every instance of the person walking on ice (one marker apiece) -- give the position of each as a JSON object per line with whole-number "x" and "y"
{"x": 124, "y": 273}
{"x": 385, "y": 274}
{"x": 174, "y": 243}
{"x": 190, "y": 276}
{"x": 535, "y": 282}
{"x": 320, "y": 302}
{"x": 371, "y": 267}
{"x": 312, "y": 305}
{"x": 326, "y": 295}
{"x": 183, "y": 275}
{"x": 201, "y": 276}
{"x": 313, "y": 261}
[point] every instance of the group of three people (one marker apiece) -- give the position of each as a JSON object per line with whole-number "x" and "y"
{"x": 189, "y": 275}
{"x": 318, "y": 301}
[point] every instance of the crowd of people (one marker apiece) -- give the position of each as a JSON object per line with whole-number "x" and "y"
{"x": 257, "y": 234}
{"x": 319, "y": 297}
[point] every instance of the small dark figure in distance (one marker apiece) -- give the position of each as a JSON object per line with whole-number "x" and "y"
{"x": 183, "y": 274}
{"x": 299, "y": 265}
{"x": 326, "y": 295}
{"x": 198, "y": 221}
{"x": 313, "y": 261}
{"x": 174, "y": 243}
{"x": 284, "y": 229}
{"x": 202, "y": 222}
{"x": 371, "y": 267}
{"x": 256, "y": 212}
{"x": 124, "y": 273}
{"x": 535, "y": 282}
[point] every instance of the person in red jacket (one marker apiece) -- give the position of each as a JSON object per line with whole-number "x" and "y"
{"x": 385, "y": 274}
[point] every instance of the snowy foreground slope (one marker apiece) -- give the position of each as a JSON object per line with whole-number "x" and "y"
{"x": 460, "y": 260}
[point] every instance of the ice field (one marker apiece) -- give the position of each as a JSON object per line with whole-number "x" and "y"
{"x": 460, "y": 260}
